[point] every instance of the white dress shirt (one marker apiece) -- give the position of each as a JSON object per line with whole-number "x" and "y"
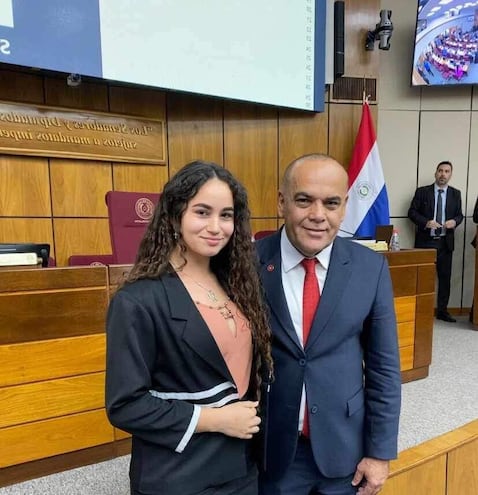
{"x": 293, "y": 274}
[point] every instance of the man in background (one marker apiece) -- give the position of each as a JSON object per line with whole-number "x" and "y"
{"x": 333, "y": 408}
{"x": 436, "y": 212}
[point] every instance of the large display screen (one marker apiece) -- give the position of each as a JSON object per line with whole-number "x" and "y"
{"x": 264, "y": 51}
{"x": 446, "y": 43}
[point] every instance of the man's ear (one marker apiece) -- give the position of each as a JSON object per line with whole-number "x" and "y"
{"x": 280, "y": 204}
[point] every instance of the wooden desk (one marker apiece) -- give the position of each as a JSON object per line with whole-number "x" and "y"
{"x": 413, "y": 279}
{"x": 52, "y": 368}
{"x": 52, "y": 359}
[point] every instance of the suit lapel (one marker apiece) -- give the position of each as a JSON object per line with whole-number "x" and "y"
{"x": 272, "y": 282}
{"x": 449, "y": 204}
{"x": 196, "y": 333}
{"x": 338, "y": 274}
{"x": 431, "y": 200}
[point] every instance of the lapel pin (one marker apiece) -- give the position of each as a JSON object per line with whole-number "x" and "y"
{"x": 270, "y": 268}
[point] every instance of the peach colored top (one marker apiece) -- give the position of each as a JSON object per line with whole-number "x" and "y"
{"x": 234, "y": 339}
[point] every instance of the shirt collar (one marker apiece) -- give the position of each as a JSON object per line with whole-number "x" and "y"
{"x": 442, "y": 188}
{"x": 291, "y": 257}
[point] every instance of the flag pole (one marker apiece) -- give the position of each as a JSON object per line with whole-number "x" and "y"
{"x": 365, "y": 96}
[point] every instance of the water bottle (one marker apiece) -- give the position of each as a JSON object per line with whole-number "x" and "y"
{"x": 395, "y": 241}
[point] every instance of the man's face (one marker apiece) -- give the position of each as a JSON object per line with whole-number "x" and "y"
{"x": 313, "y": 204}
{"x": 443, "y": 175}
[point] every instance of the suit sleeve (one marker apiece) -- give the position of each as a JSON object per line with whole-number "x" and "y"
{"x": 458, "y": 211}
{"x": 475, "y": 211}
{"x": 131, "y": 355}
{"x": 382, "y": 373}
{"x": 415, "y": 212}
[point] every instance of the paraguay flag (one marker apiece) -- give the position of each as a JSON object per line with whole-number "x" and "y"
{"x": 367, "y": 205}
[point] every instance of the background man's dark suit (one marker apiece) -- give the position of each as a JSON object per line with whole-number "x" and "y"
{"x": 421, "y": 210}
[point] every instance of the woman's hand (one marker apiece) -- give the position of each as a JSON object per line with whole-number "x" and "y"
{"x": 239, "y": 420}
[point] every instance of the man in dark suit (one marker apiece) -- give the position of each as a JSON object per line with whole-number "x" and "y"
{"x": 332, "y": 410}
{"x": 436, "y": 212}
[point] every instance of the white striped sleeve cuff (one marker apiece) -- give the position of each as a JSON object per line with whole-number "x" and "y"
{"x": 190, "y": 430}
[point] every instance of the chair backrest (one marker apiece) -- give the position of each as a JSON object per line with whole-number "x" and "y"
{"x": 383, "y": 232}
{"x": 263, "y": 233}
{"x": 90, "y": 260}
{"x": 129, "y": 214}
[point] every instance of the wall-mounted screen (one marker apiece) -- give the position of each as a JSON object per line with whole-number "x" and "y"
{"x": 446, "y": 43}
{"x": 264, "y": 51}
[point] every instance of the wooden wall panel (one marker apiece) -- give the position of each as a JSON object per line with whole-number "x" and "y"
{"x": 406, "y": 358}
{"x": 360, "y": 16}
{"x": 43, "y": 360}
{"x": 78, "y": 187}
{"x": 426, "y": 479}
{"x": 54, "y": 436}
{"x": 251, "y": 145}
{"x": 80, "y": 236}
{"x": 27, "y": 230}
{"x": 63, "y": 314}
{"x": 194, "y": 130}
{"x": 24, "y": 186}
{"x": 87, "y": 96}
{"x": 462, "y": 470}
{"x": 406, "y": 333}
{"x": 404, "y": 280}
{"x": 424, "y": 329}
{"x": 139, "y": 178}
{"x": 301, "y": 133}
{"x": 44, "y": 280}
{"x": 51, "y": 399}
{"x": 405, "y": 308}
{"x": 21, "y": 86}
{"x": 344, "y": 121}
{"x": 141, "y": 102}
{"x": 426, "y": 279}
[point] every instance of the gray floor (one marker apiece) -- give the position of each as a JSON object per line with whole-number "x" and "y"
{"x": 445, "y": 400}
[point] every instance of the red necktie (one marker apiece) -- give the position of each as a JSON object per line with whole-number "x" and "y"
{"x": 310, "y": 301}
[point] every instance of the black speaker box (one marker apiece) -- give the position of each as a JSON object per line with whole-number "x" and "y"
{"x": 339, "y": 38}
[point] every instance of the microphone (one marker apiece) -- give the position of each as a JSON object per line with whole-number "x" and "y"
{"x": 351, "y": 234}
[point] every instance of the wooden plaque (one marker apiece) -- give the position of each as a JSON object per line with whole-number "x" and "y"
{"x": 52, "y": 132}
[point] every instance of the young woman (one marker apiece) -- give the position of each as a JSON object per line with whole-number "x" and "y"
{"x": 188, "y": 342}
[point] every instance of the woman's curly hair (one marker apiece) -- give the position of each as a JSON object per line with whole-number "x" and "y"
{"x": 235, "y": 265}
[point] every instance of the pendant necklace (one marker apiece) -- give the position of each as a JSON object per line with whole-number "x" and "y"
{"x": 224, "y": 310}
{"x": 211, "y": 295}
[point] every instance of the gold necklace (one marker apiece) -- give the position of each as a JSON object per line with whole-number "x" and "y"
{"x": 223, "y": 309}
{"x": 210, "y": 293}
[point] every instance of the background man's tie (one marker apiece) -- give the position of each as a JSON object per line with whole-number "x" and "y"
{"x": 439, "y": 217}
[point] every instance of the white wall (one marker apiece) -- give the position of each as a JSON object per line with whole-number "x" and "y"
{"x": 419, "y": 127}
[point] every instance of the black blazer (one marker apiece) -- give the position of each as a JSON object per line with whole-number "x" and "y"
{"x": 422, "y": 210}
{"x": 162, "y": 362}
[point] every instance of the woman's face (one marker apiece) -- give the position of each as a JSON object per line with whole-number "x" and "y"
{"x": 207, "y": 223}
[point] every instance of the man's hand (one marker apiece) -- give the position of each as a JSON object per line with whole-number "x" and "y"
{"x": 370, "y": 474}
{"x": 450, "y": 224}
{"x": 432, "y": 224}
